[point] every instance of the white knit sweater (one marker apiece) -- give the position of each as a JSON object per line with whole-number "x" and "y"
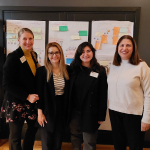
{"x": 129, "y": 89}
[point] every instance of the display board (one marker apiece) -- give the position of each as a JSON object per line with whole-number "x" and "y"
{"x": 38, "y": 29}
{"x": 69, "y": 34}
{"x": 105, "y": 35}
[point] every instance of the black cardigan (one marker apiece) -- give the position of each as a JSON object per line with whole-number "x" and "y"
{"x": 18, "y": 79}
{"x": 93, "y": 100}
{"x": 46, "y": 93}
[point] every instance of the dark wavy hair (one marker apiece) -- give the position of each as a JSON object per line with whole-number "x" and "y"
{"x": 76, "y": 64}
{"x": 134, "y": 59}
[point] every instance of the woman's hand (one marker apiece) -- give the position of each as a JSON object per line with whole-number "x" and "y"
{"x": 41, "y": 118}
{"x": 100, "y": 122}
{"x": 32, "y": 98}
{"x": 144, "y": 126}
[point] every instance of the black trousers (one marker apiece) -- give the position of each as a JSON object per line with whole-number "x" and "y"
{"x": 15, "y": 135}
{"x": 126, "y": 128}
{"x": 89, "y": 138}
{"x": 53, "y": 140}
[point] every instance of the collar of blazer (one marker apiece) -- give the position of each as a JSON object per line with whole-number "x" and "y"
{"x": 87, "y": 85}
{"x": 25, "y": 63}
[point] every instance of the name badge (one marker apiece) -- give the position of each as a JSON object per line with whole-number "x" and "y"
{"x": 23, "y": 59}
{"x": 94, "y": 74}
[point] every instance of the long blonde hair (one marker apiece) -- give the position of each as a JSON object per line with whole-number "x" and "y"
{"x": 22, "y": 30}
{"x": 48, "y": 65}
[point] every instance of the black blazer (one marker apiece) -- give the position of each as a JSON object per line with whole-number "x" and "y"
{"x": 46, "y": 93}
{"x": 94, "y": 100}
{"x": 18, "y": 79}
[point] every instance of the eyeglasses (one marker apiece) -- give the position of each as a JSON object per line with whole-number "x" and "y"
{"x": 52, "y": 53}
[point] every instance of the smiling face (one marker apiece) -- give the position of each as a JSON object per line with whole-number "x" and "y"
{"x": 26, "y": 40}
{"x": 125, "y": 49}
{"x": 54, "y": 55}
{"x": 86, "y": 55}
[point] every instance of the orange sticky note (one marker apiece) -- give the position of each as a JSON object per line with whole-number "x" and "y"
{"x": 116, "y": 30}
{"x": 97, "y": 44}
{"x": 115, "y": 40}
{"x": 104, "y": 39}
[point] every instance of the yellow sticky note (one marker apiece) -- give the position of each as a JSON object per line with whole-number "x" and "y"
{"x": 116, "y": 30}
{"x": 37, "y": 30}
{"x": 75, "y": 37}
{"x": 55, "y": 28}
{"x": 98, "y": 34}
{"x": 37, "y": 36}
{"x": 122, "y": 34}
{"x": 97, "y": 44}
{"x": 104, "y": 63}
{"x": 104, "y": 39}
{"x": 115, "y": 40}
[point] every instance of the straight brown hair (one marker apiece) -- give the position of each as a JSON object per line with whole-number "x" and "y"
{"x": 134, "y": 59}
{"x": 48, "y": 65}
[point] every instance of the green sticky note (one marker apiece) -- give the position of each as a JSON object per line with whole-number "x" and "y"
{"x": 123, "y": 30}
{"x": 63, "y": 28}
{"x": 82, "y": 33}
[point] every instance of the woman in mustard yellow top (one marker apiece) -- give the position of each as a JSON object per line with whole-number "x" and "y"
{"x": 18, "y": 80}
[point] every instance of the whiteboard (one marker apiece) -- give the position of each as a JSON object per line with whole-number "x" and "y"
{"x": 105, "y": 35}
{"x": 38, "y": 29}
{"x": 69, "y": 34}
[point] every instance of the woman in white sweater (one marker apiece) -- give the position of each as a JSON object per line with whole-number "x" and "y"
{"x": 129, "y": 96}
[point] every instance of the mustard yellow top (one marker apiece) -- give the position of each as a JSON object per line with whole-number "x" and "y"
{"x": 30, "y": 61}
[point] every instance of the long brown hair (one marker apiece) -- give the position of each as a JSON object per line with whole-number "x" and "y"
{"x": 134, "y": 59}
{"x": 77, "y": 62}
{"x": 48, "y": 65}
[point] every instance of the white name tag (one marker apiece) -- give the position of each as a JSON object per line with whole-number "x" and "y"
{"x": 23, "y": 59}
{"x": 94, "y": 74}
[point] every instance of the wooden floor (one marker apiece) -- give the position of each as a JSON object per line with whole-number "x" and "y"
{"x": 65, "y": 146}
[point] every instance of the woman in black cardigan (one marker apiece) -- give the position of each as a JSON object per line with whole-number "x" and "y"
{"x": 19, "y": 82}
{"x": 52, "y": 83}
{"x": 88, "y": 97}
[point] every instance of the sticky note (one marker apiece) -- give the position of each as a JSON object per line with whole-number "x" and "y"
{"x": 104, "y": 63}
{"x": 75, "y": 37}
{"x": 115, "y": 40}
{"x": 98, "y": 34}
{"x": 55, "y": 28}
{"x": 37, "y": 30}
{"x": 122, "y": 34}
{"x": 37, "y": 36}
{"x": 123, "y": 30}
{"x": 104, "y": 39}
{"x": 63, "y": 28}
{"x": 11, "y": 36}
{"x": 82, "y": 33}
{"x": 69, "y": 60}
{"x": 97, "y": 44}
{"x": 116, "y": 30}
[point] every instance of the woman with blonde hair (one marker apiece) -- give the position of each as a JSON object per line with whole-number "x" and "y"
{"x": 19, "y": 82}
{"x": 52, "y": 82}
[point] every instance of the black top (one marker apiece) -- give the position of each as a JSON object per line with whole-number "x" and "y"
{"x": 19, "y": 82}
{"x": 78, "y": 87}
{"x": 92, "y": 98}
